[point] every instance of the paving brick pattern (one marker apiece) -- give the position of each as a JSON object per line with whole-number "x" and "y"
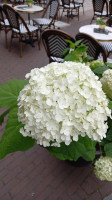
{"x": 35, "y": 174}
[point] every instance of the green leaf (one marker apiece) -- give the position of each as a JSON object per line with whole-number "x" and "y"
{"x": 100, "y": 70}
{"x": 81, "y": 49}
{"x": 109, "y": 65}
{"x": 88, "y": 59}
{"x": 110, "y": 105}
{"x": 109, "y": 135}
{"x": 12, "y": 140}
{"x": 2, "y": 116}
{"x": 10, "y": 91}
{"x": 77, "y": 43}
{"x": 65, "y": 51}
{"x": 109, "y": 123}
{"x": 71, "y": 44}
{"x": 108, "y": 149}
{"x": 84, "y": 148}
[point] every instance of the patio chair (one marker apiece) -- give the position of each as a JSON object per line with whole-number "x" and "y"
{"x": 98, "y": 8}
{"x": 95, "y": 49}
{"x": 40, "y": 3}
{"x": 108, "y": 44}
{"x": 55, "y": 43}
{"x": 24, "y": 32}
{"x": 16, "y": 2}
{"x": 48, "y": 18}
{"x": 4, "y": 24}
{"x": 69, "y": 7}
{"x": 110, "y": 7}
{"x": 80, "y": 3}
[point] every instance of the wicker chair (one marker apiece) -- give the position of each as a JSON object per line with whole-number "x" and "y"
{"x": 4, "y": 24}
{"x": 48, "y": 17}
{"x": 80, "y": 3}
{"x": 98, "y": 8}
{"x": 55, "y": 43}
{"x": 69, "y": 7}
{"x": 95, "y": 49}
{"x": 108, "y": 45}
{"x": 24, "y": 32}
{"x": 16, "y": 2}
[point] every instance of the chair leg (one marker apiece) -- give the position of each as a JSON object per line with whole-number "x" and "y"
{"x": 92, "y": 20}
{"x": 78, "y": 14}
{"x": 39, "y": 39}
{"x": 83, "y": 9}
{"x": 20, "y": 48}
{"x": 68, "y": 15}
{"x": 10, "y": 46}
{"x": 6, "y": 43}
{"x": 62, "y": 14}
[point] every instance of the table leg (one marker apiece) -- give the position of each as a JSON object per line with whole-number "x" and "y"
{"x": 29, "y": 18}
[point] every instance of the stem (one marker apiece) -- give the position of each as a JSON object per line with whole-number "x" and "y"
{"x": 100, "y": 149}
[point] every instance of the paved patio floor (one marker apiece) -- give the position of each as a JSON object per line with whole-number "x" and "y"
{"x": 35, "y": 174}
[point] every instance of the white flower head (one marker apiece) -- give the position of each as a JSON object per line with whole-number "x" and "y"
{"x": 103, "y": 168}
{"x": 61, "y": 102}
{"x": 106, "y": 81}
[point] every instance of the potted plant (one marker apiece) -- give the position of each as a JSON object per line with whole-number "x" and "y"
{"x": 29, "y": 2}
{"x": 65, "y": 108}
{"x": 101, "y": 23}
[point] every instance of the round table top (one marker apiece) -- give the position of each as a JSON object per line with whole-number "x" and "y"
{"x": 89, "y": 29}
{"x": 27, "y": 9}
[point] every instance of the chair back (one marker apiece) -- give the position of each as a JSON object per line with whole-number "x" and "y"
{"x": 55, "y": 43}
{"x": 65, "y": 2}
{"x": 109, "y": 22}
{"x": 94, "y": 47}
{"x": 1, "y": 14}
{"x": 14, "y": 18}
{"x": 98, "y": 5}
{"x": 110, "y": 7}
{"x": 51, "y": 9}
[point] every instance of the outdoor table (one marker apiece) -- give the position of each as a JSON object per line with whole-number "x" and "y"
{"x": 104, "y": 38}
{"x": 30, "y": 10}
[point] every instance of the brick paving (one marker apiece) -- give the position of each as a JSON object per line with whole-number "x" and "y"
{"x": 35, "y": 174}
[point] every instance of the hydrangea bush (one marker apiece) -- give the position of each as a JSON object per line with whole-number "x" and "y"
{"x": 103, "y": 168}
{"x": 61, "y": 102}
{"x": 106, "y": 81}
{"x": 62, "y": 107}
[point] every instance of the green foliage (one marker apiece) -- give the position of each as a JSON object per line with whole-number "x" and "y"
{"x": 12, "y": 140}
{"x": 100, "y": 21}
{"x": 2, "y": 116}
{"x": 110, "y": 105}
{"x": 100, "y": 70}
{"x": 107, "y": 142}
{"x": 96, "y": 64}
{"x": 77, "y": 52}
{"x": 29, "y": 1}
{"x": 10, "y": 91}
{"x": 84, "y": 148}
{"x": 108, "y": 149}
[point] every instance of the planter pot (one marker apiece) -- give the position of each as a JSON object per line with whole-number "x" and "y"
{"x": 80, "y": 162}
{"x": 102, "y": 27}
{"x": 29, "y": 4}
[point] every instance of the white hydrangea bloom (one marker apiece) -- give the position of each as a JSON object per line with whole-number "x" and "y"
{"x": 103, "y": 168}
{"x": 61, "y": 102}
{"x": 106, "y": 81}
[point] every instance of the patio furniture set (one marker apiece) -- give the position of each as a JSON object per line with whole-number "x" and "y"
{"x": 11, "y": 19}
{"x": 53, "y": 40}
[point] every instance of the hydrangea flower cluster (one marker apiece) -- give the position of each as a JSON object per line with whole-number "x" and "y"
{"x": 103, "y": 168}
{"x": 106, "y": 81}
{"x": 61, "y": 102}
